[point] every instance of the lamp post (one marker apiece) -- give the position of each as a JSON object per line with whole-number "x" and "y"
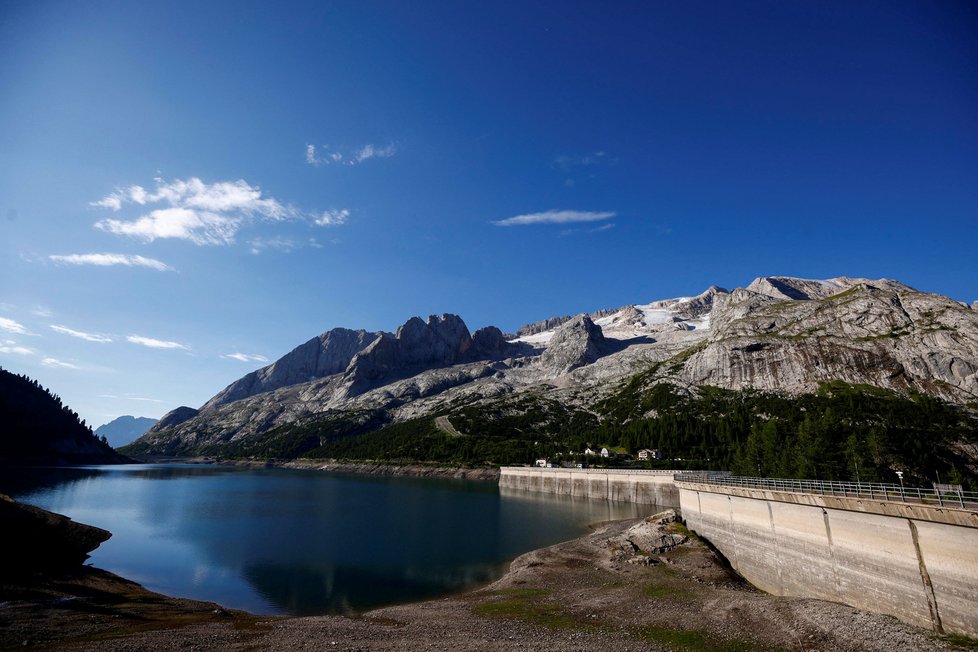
{"x": 900, "y": 475}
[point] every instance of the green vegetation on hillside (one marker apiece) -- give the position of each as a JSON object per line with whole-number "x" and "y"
{"x": 37, "y": 428}
{"x": 841, "y": 432}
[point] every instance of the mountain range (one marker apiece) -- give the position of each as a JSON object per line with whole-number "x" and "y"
{"x": 779, "y": 334}
{"x": 123, "y": 430}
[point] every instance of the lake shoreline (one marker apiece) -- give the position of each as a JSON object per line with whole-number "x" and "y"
{"x": 598, "y": 591}
{"x": 333, "y": 466}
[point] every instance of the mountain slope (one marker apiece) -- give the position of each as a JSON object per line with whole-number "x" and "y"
{"x": 780, "y": 334}
{"x": 37, "y": 428}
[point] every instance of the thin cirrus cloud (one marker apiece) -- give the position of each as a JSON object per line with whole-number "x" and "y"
{"x": 556, "y": 217}
{"x": 245, "y": 357}
{"x": 10, "y": 347}
{"x": 54, "y": 363}
{"x": 131, "y": 397}
{"x": 155, "y": 343}
{"x": 12, "y": 326}
{"x": 110, "y": 260}
{"x": 317, "y": 158}
{"x": 88, "y": 337}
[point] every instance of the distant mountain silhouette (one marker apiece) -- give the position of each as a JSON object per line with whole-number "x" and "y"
{"x": 124, "y": 429}
{"x": 37, "y": 428}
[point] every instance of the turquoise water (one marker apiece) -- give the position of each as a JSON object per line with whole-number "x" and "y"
{"x": 275, "y": 541}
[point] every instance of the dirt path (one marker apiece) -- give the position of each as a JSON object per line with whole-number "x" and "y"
{"x": 442, "y": 423}
{"x": 584, "y": 594}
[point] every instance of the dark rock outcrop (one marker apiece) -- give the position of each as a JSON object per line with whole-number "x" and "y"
{"x": 36, "y": 540}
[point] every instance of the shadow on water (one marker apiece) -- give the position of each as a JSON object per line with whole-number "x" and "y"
{"x": 306, "y": 542}
{"x": 20, "y": 481}
{"x": 309, "y": 590}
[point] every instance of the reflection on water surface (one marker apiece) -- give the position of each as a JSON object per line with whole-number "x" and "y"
{"x": 304, "y": 542}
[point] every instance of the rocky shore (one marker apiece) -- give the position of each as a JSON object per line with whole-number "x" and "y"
{"x": 368, "y": 468}
{"x": 644, "y": 584}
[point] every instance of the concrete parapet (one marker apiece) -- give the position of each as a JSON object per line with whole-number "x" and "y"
{"x": 916, "y": 562}
{"x": 645, "y": 487}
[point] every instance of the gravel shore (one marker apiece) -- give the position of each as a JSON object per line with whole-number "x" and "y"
{"x": 586, "y": 594}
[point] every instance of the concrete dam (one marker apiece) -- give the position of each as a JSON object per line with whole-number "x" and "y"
{"x": 914, "y": 557}
{"x": 638, "y": 486}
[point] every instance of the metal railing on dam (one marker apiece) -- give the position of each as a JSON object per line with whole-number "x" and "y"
{"x": 647, "y": 486}
{"x": 908, "y": 552}
{"x": 871, "y": 490}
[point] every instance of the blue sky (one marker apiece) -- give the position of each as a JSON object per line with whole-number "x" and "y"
{"x": 188, "y": 189}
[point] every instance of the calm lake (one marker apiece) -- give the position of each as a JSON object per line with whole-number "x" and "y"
{"x": 276, "y": 541}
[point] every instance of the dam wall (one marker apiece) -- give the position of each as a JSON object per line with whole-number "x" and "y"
{"x": 635, "y": 486}
{"x": 917, "y": 562}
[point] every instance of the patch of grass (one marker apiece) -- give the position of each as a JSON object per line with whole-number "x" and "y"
{"x": 678, "y": 528}
{"x": 528, "y": 605}
{"x": 660, "y": 592}
{"x": 961, "y": 641}
{"x": 525, "y": 593}
{"x": 683, "y": 640}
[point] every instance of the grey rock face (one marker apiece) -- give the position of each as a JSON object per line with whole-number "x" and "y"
{"x": 489, "y": 343}
{"x": 866, "y": 334}
{"x": 328, "y": 354}
{"x": 174, "y": 418}
{"x": 974, "y": 305}
{"x": 779, "y": 334}
{"x": 540, "y": 326}
{"x": 576, "y": 343}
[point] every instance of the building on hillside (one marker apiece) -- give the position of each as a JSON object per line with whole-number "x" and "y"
{"x": 605, "y": 452}
{"x": 650, "y": 454}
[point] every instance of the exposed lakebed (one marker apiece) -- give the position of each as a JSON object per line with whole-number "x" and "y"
{"x": 277, "y": 541}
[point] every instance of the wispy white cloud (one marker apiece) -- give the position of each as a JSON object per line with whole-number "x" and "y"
{"x": 566, "y": 162}
{"x": 597, "y": 229}
{"x": 108, "y": 260}
{"x": 89, "y": 337}
{"x": 311, "y": 157}
{"x": 202, "y": 213}
{"x": 282, "y": 245}
{"x": 130, "y": 397}
{"x": 245, "y": 357}
{"x": 41, "y": 311}
{"x": 317, "y": 157}
{"x": 156, "y": 344}
{"x": 57, "y": 364}
{"x": 368, "y": 152}
{"x": 333, "y": 217}
{"x": 12, "y": 326}
{"x": 556, "y": 217}
{"x": 11, "y": 347}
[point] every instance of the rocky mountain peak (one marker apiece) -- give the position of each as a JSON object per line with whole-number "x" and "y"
{"x": 325, "y": 355}
{"x": 490, "y": 342}
{"x": 175, "y": 417}
{"x": 575, "y": 343}
{"x": 440, "y": 340}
